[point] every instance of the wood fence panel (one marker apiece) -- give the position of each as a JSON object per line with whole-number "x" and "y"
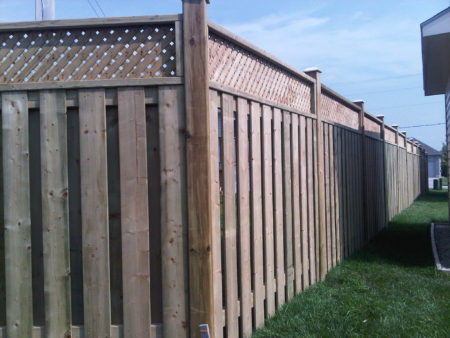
{"x": 338, "y": 176}
{"x": 55, "y": 213}
{"x": 244, "y": 216}
{"x": 258, "y": 254}
{"x": 312, "y": 213}
{"x": 215, "y": 226}
{"x": 304, "y": 204}
{"x": 287, "y": 201}
{"x": 334, "y": 201}
{"x": 347, "y": 196}
{"x": 315, "y": 230}
{"x": 327, "y": 181}
{"x": 16, "y": 204}
{"x": 94, "y": 206}
{"x": 230, "y": 225}
{"x": 268, "y": 210}
{"x": 361, "y": 177}
{"x": 296, "y": 207}
{"x": 134, "y": 211}
{"x": 173, "y": 211}
{"x": 278, "y": 207}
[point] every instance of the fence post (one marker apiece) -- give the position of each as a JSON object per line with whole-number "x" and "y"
{"x": 383, "y": 138}
{"x": 360, "y": 103}
{"x": 199, "y": 172}
{"x": 315, "y": 74}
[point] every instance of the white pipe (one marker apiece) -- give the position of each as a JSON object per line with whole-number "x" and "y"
{"x": 45, "y": 10}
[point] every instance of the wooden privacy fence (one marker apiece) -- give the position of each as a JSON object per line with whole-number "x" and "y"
{"x": 160, "y": 173}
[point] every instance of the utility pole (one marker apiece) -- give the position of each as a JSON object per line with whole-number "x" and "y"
{"x": 45, "y": 10}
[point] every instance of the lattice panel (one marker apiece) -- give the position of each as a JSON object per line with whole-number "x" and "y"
{"x": 338, "y": 112}
{"x": 371, "y": 126}
{"x": 389, "y": 135}
{"x": 106, "y": 53}
{"x": 235, "y": 67}
{"x": 409, "y": 147}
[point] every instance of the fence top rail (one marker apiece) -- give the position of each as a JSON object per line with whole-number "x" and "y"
{"x": 226, "y": 34}
{"x": 387, "y": 126}
{"x": 373, "y": 118}
{"x": 91, "y": 22}
{"x": 340, "y": 98}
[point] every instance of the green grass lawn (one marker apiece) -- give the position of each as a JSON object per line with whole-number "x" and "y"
{"x": 388, "y": 289}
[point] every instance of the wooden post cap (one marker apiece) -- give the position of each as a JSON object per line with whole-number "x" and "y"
{"x": 359, "y": 102}
{"x": 314, "y": 72}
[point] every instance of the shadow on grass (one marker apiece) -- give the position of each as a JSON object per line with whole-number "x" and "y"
{"x": 406, "y": 241}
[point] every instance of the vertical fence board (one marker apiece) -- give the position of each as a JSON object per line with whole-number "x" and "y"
{"x": 2, "y": 238}
{"x": 304, "y": 203}
{"x": 94, "y": 206}
{"x": 16, "y": 203}
{"x": 334, "y": 202}
{"x": 244, "y": 216}
{"x": 268, "y": 209}
{"x": 55, "y": 213}
{"x": 345, "y": 191}
{"x": 229, "y": 187}
{"x": 173, "y": 212}
{"x": 327, "y": 196}
{"x": 278, "y": 207}
{"x": 296, "y": 209}
{"x": 338, "y": 176}
{"x": 287, "y": 188}
{"x": 312, "y": 205}
{"x": 317, "y": 183}
{"x": 215, "y": 217}
{"x": 134, "y": 211}
{"x": 258, "y": 292}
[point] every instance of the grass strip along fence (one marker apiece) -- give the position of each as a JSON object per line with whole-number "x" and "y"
{"x": 390, "y": 288}
{"x": 160, "y": 173}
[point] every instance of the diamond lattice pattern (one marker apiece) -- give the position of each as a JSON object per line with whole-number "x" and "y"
{"x": 102, "y": 53}
{"x": 335, "y": 111}
{"x": 235, "y": 67}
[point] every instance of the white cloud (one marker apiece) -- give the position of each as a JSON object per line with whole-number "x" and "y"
{"x": 342, "y": 48}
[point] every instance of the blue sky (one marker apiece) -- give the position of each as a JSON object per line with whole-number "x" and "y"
{"x": 366, "y": 49}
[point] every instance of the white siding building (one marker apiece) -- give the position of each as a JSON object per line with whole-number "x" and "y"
{"x": 436, "y": 59}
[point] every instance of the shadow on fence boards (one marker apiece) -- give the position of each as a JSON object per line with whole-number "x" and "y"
{"x": 160, "y": 173}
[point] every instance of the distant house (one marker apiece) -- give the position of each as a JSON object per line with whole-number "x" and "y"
{"x": 436, "y": 59}
{"x": 434, "y": 162}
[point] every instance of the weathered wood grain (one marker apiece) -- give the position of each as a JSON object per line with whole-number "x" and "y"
{"x": 202, "y": 247}
{"x": 256, "y": 207}
{"x": 16, "y": 205}
{"x": 278, "y": 207}
{"x": 173, "y": 211}
{"x": 244, "y": 216}
{"x": 94, "y": 216}
{"x": 230, "y": 226}
{"x": 134, "y": 212}
{"x": 55, "y": 213}
{"x": 269, "y": 245}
